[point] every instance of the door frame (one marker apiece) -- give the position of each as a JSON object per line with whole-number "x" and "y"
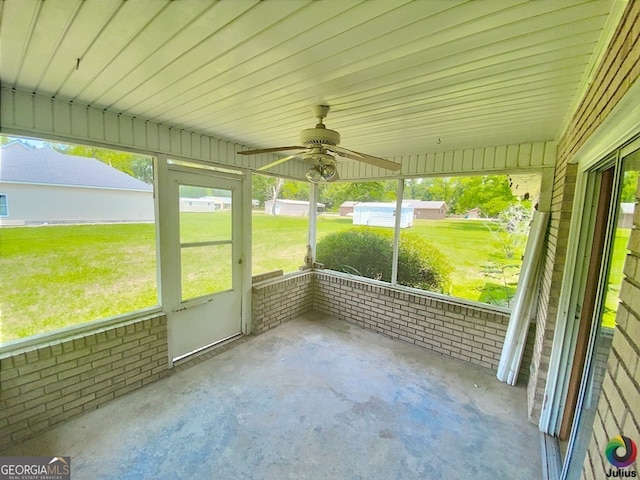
{"x": 596, "y": 272}
{"x": 168, "y": 279}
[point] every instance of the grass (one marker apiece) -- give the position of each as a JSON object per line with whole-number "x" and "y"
{"x": 54, "y": 276}
{"x": 615, "y": 277}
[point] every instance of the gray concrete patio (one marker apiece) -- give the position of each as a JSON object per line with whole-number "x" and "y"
{"x": 312, "y": 398}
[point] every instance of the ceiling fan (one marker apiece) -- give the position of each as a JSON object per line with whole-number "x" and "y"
{"x": 320, "y": 147}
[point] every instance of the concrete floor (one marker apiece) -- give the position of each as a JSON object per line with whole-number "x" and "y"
{"x": 314, "y": 398}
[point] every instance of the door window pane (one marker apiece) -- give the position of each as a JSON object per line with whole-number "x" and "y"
{"x": 206, "y": 238}
{"x": 205, "y": 214}
{"x": 205, "y": 270}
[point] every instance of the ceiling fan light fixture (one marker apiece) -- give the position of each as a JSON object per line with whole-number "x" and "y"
{"x": 327, "y": 171}
{"x": 314, "y": 175}
{"x": 319, "y": 146}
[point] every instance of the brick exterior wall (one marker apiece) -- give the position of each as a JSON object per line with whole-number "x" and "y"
{"x": 551, "y": 280}
{"x": 618, "y": 70}
{"x": 619, "y": 403}
{"x": 281, "y": 299}
{"x": 47, "y": 384}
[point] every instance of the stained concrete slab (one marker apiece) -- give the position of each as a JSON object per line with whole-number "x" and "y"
{"x": 314, "y": 398}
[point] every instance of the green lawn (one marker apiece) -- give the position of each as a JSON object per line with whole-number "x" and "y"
{"x": 615, "y": 277}
{"x": 54, "y": 276}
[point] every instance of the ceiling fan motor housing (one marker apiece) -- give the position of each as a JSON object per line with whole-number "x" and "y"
{"x": 318, "y": 136}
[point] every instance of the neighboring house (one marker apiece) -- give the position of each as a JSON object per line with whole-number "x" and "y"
{"x": 205, "y": 204}
{"x": 378, "y": 214}
{"x": 294, "y": 208}
{"x": 474, "y": 213}
{"x": 429, "y": 209}
{"x": 347, "y": 208}
{"x": 625, "y": 220}
{"x": 39, "y": 186}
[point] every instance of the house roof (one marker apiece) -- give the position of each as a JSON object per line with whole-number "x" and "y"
{"x": 428, "y": 204}
{"x": 22, "y": 164}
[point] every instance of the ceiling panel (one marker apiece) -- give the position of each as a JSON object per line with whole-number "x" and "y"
{"x": 402, "y": 77}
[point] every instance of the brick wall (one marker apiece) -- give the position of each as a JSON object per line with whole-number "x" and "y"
{"x": 472, "y": 333}
{"x": 277, "y": 300}
{"x": 619, "y": 403}
{"x": 618, "y": 70}
{"x": 47, "y": 384}
{"x": 448, "y": 326}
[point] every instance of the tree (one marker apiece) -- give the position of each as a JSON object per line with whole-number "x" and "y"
{"x": 335, "y": 194}
{"x": 265, "y": 188}
{"x": 446, "y": 189}
{"x": 491, "y": 193}
{"x": 261, "y": 187}
{"x": 511, "y": 228}
{"x": 295, "y": 190}
{"x": 629, "y": 186}
{"x": 275, "y": 192}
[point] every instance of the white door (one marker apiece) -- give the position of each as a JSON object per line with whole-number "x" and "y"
{"x": 204, "y": 265}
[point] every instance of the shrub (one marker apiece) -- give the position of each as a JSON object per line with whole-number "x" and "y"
{"x": 368, "y": 252}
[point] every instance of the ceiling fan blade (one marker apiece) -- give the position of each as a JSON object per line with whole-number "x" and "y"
{"x": 269, "y": 150}
{"x": 364, "y": 157}
{"x": 277, "y": 162}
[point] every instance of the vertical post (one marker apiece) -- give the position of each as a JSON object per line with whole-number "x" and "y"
{"x": 247, "y": 219}
{"x": 396, "y": 233}
{"x": 313, "y": 220}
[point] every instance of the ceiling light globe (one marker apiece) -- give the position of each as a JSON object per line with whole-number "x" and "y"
{"x": 314, "y": 175}
{"x": 328, "y": 171}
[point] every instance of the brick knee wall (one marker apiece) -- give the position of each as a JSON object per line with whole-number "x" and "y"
{"x": 471, "y": 333}
{"x": 278, "y": 300}
{"x": 49, "y": 383}
{"x": 46, "y": 384}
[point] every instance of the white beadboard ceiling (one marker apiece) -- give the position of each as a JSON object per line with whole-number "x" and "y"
{"x": 402, "y": 77}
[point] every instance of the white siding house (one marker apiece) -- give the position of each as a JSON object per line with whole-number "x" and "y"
{"x": 625, "y": 219}
{"x": 378, "y": 214}
{"x": 40, "y": 186}
{"x": 205, "y": 204}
